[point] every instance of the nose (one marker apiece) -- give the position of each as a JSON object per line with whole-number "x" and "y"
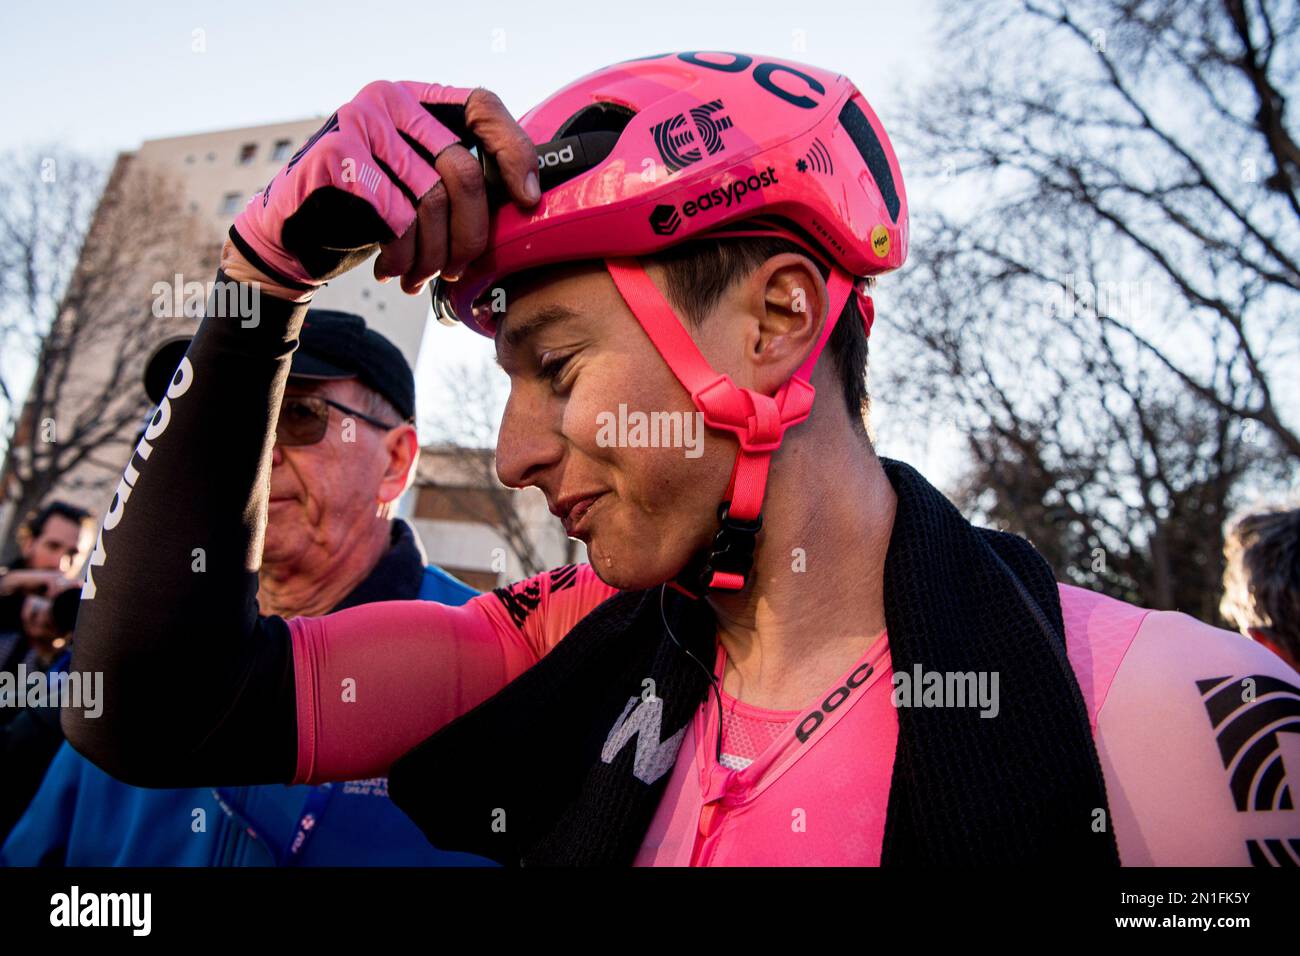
{"x": 528, "y": 442}
{"x": 277, "y": 455}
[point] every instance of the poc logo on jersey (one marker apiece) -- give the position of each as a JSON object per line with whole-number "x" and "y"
{"x": 808, "y": 726}
{"x": 556, "y": 156}
{"x": 680, "y": 138}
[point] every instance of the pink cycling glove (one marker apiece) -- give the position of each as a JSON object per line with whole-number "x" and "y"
{"x": 353, "y": 185}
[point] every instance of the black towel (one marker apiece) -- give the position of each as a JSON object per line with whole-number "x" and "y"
{"x": 521, "y": 778}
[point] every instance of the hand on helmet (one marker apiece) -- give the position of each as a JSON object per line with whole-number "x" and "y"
{"x": 389, "y": 169}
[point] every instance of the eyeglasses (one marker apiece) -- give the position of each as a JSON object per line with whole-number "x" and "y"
{"x": 304, "y": 419}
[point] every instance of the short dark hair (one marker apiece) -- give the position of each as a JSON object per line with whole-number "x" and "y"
{"x": 1261, "y": 583}
{"x": 34, "y": 526}
{"x": 699, "y": 272}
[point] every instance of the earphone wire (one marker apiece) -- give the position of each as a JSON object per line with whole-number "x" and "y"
{"x": 713, "y": 678}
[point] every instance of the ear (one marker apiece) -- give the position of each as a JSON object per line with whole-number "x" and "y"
{"x": 402, "y": 448}
{"x": 787, "y": 298}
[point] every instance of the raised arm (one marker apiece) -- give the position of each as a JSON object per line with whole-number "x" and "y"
{"x": 197, "y": 688}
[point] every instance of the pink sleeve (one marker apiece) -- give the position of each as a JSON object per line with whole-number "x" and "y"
{"x": 1098, "y": 633}
{"x": 374, "y": 681}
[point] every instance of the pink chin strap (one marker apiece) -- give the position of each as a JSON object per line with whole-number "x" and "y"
{"x": 758, "y": 421}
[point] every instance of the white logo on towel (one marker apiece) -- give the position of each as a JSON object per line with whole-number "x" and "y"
{"x": 653, "y": 757}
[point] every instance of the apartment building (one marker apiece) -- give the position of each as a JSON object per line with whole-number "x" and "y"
{"x": 219, "y": 171}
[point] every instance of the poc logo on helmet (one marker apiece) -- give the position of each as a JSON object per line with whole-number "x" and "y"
{"x": 556, "y": 156}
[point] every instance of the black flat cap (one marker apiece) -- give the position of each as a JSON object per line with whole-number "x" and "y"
{"x": 332, "y": 345}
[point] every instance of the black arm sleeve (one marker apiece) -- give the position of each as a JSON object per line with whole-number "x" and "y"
{"x": 197, "y": 688}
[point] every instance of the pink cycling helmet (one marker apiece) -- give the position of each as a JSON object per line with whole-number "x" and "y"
{"x": 656, "y": 151}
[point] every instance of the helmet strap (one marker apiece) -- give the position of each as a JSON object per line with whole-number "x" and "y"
{"x": 758, "y": 421}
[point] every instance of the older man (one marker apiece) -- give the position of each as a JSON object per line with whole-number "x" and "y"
{"x": 345, "y": 450}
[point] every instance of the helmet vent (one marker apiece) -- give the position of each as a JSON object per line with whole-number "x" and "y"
{"x": 873, "y": 154}
{"x": 597, "y": 118}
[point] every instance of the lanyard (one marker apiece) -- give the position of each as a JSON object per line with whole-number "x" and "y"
{"x": 290, "y": 854}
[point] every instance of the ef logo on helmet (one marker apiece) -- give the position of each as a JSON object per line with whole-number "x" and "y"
{"x": 680, "y": 137}
{"x": 673, "y": 137}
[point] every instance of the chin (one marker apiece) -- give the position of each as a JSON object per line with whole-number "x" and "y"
{"x": 277, "y": 548}
{"x": 630, "y": 570}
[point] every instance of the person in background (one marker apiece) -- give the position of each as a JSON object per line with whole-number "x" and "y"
{"x": 1261, "y": 581}
{"x": 345, "y": 450}
{"x": 53, "y": 543}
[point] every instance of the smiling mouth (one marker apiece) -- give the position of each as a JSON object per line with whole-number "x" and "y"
{"x": 575, "y": 521}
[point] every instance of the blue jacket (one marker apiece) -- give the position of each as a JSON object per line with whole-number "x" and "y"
{"x": 83, "y": 817}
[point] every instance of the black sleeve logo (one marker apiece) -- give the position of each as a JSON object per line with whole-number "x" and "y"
{"x": 523, "y": 597}
{"x": 1253, "y": 718}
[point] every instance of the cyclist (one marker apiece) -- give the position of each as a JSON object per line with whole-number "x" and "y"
{"x": 851, "y": 674}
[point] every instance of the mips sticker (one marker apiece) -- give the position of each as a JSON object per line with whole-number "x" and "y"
{"x": 880, "y": 241}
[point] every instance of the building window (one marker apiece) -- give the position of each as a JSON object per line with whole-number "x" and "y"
{"x": 281, "y": 151}
{"x": 246, "y": 153}
{"x": 190, "y": 159}
{"x": 212, "y": 157}
{"x": 230, "y": 203}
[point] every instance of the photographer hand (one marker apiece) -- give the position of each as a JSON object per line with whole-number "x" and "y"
{"x": 49, "y": 583}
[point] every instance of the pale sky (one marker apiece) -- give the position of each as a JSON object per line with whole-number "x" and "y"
{"x": 105, "y": 76}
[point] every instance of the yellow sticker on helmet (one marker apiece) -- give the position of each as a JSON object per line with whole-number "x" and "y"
{"x": 880, "y": 241}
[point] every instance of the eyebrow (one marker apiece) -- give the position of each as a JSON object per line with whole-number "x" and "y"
{"x": 515, "y": 335}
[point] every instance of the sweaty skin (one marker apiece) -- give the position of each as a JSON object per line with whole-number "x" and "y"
{"x": 573, "y": 350}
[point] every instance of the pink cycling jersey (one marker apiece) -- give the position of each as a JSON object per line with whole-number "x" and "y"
{"x": 806, "y": 787}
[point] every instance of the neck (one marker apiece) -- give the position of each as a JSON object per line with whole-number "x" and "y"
{"x": 815, "y": 601}
{"x": 315, "y": 582}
